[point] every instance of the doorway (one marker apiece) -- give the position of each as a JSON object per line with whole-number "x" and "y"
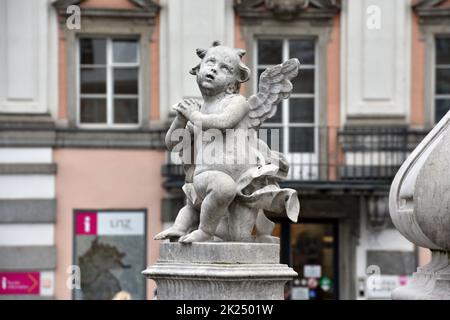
{"x": 310, "y": 247}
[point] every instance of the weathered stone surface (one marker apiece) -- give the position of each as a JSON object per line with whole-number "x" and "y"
{"x": 229, "y": 190}
{"x": 432, "y": 196}
{"x": 231, "y": 181}
{"x": 419, "y": 205}
{"x": 219, "y": 271}
{"x": 220, "y": 252}
{"x": 430, "y": 282}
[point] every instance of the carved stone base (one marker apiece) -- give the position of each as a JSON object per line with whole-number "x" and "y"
{"x": 430, "y": 282}
{"x": 219, "y": 271}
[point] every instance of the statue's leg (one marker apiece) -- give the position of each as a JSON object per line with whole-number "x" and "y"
{"x": 186, "y": 218}
{"x": 241, "y": 220}
{"x": 219, "y": 190}
{"x": 264, "y": 228}
{"x": 222, "y": 233}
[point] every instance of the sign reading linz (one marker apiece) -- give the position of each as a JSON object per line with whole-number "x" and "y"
{"x": 109, "y": 223}
{"x": 110, "y": 249}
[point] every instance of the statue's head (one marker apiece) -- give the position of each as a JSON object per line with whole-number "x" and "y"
{"x": 221, "y": 69}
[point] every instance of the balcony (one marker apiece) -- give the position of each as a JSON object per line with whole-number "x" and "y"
{"x": 360, "y": 157}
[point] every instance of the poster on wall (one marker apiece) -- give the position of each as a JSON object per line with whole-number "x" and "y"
{"x": 110, "y": 251}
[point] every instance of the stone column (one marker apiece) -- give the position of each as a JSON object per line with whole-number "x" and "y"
{"x": 220, "y": 271}
{"x": 420, "y": 209}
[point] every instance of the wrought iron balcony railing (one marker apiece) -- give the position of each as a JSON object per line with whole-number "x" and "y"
{"x": 358, "y": 154}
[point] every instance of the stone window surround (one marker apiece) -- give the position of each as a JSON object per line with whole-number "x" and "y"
{"x": 107, "y": 27}
{"x": 428, "y": 35}
{"x": 296, "y": 29}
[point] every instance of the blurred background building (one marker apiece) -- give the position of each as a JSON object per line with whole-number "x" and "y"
{"x": 85, "y": 182}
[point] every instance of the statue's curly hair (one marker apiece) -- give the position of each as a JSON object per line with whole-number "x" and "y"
{"x": 244, "y": 71}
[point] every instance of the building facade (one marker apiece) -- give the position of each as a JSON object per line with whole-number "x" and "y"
{"x": 85, "y": 95}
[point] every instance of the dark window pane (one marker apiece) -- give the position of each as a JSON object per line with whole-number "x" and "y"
{"x": 301, "y": 139}
{"x": 304, "y": 82}
{"x": 273, "y": 137}
{"x": 443, "y": 81}
{"x": 92, "y": 110}
{"x": 301, "y": 110}
{"x": 303, "y": 50}
{"x": 277, "y": 116}
{"x": 125, "y": 51}
{"x": 126, "y": 81}
{"x": 93, "y": 51}
{"x": 93, "y": 80}
{"x": 269, "y": 51}
{"x": 259, "y": 75}
{"x": 441, "y": 107}
{"x": 442, "y": 50}
{"x": 125, "y": 111}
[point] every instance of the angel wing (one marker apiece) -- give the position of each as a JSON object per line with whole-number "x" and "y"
{"x": 274, "y": 85}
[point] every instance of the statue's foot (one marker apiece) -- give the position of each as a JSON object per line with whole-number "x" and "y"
{"x": 196, "y": 236}
{"x": 172, "y": 232}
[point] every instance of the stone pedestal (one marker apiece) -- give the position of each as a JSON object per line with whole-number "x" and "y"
{"x": 220, "y": 271}
{"x": 430, "y": 282}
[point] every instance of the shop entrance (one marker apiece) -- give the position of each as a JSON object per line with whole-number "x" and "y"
{"x": 310, "y": 248}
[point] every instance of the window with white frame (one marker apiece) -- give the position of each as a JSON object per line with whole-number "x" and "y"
{"x": 296, "y": 117}
{"x": 442, "y": 78}
{"x": 108, "y": 82}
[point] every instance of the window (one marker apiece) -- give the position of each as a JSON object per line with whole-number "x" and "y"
{"x": 296, "y": 116}
{"x": 108, "y": 82}
{"x": 442, "y": 72}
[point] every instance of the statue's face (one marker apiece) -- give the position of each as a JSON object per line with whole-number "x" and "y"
{"x": 218, "y": 70}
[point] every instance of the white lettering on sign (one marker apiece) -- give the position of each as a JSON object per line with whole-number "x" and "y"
{"x": 87, "y": 224}
{"x": 120, "y": 223}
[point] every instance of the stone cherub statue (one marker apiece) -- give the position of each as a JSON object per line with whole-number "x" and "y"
{"x": 228, "y": 194}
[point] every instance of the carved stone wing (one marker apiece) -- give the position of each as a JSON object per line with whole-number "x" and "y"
{"x": 274, "y": 85}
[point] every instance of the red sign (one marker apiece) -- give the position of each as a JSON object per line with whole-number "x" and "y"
{"x": 19, "y": 283}
{"x": 86, "y": 223}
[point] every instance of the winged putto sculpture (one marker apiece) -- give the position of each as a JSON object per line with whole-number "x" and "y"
{"x": 232, "y": 175}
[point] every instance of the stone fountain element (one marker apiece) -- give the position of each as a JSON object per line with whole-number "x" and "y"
{"x": 221, "y": 244}
{"x": 220, "y": 271}
{"x": 419, "y": 205}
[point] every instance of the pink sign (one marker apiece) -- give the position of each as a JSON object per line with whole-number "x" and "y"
{"x": 19, "y": 283}
{"x": 86, "y": 223}
{"x": 403, "y": 280}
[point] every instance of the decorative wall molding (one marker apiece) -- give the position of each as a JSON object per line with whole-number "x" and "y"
{"x": 28, "y": 258}
{"x": 40, "y": 131}
{"x": 432, "y": 11}
{"x": 252, "y": 11}
{"x": 384, "y": 52}
{"x": 28, "y": 211}
{"x": 144, "y": 9}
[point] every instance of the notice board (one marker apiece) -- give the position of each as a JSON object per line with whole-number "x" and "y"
{"x": 110, "y": 251}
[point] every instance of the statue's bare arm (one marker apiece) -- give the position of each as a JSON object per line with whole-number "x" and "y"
{"x": 178, "y": 123}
